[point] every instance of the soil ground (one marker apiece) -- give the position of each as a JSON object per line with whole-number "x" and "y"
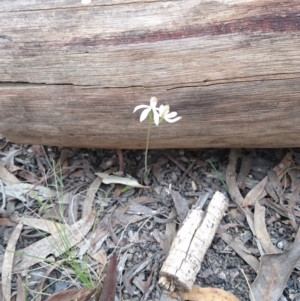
{"x": 139, "y": 223}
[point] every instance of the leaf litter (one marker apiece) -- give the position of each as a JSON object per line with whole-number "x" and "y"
{"x": 256, "y": 235}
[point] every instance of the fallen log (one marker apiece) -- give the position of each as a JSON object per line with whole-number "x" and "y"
{"x": 71, "y": 74}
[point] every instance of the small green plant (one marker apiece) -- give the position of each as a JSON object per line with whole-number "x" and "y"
{"x": 155, "y": 115}
{"x": 219, "y": 176}
{"x": 73, "y": 266}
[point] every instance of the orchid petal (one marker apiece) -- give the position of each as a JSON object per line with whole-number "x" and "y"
{"x": 156, "y": 117}
{"x": 145, "y": 114}
{"x": 163, "y": 110}
{"x": 140, "y": 107}
{"x": 173, "y": 120}
{"x": 172, "y": 114}
{"x": 153, "y": 102}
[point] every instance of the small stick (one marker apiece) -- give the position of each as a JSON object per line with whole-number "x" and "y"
{"x": 186, "y": 172}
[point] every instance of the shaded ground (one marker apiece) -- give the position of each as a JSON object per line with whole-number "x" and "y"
{"x": 139, "y": 224}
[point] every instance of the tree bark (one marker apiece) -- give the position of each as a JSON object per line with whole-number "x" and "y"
{"x": 71, "y": 74}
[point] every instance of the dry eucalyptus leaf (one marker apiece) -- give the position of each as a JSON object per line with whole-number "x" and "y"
{"x": 181, "y": 204}
{"x": 274, "y": 186}
{"x": 8, "y": 161}
{"x": 53, "y": 244}
{"x": 8, "y": 259}
{"x": 140, "y": 209}
{"x": 83, "y": 294}
{"x": 206, "y": 294}
{"x": 21, "y": 290}
{"x": 258, "y": 192}
{"x": 7, "y": 177}
{"x": 90, "y": 196}
{"x": 170, "y": 232}
{"x": 5, "y": 221}
{"x": 42, "y": 224}
{"x": 100, "y": 256}
{"x": 231, "y": 177}
{"x": 274, "y": 272}
{"x": 245, "y": 169}
{"x": 110, "y": 282}
{"x": 261, "y": 229}
{"x": 240, "y": 249}
{"x": 38, "y": 150}
{"x": 111, "y": 179}
{"x": 28, "y": 176}
{"x": 294, "y": 174}
{"x": 158, "y": 165}
{"x": 21, "y": 190}
{"x": 291, "y": 205}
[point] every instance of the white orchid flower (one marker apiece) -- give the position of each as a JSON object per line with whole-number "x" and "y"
{"x": 85, "y": 2}
{"x": 164, "y": 113}
{"x": 147, "y": 109}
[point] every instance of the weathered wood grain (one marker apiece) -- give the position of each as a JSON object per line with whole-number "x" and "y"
{"x": 71, "y": 74}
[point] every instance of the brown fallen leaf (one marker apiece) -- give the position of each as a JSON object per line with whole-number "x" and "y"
{"x": 111, "y": 179}
{"x": 63, "y": 159}
{"x": 38, "y": 150}
{"x": 170, "y": 232}
{"x": 291, "y": 205}
{"x": 158, "y": 165}
{"x": 8, "y": 259}
{"x": 231, "y": 181}
{"x": 206, "y": 294}
{"x": 5, "y": 221}
{"x": 52, "y": 244}
{"x": 7, "y": 177}
{"x": 100, "y": 256}
{"x": 121, "y": 160}
{"x": 106, "y": 164}
{"x": 110, "y": 282}
{"x": 181, "y": 204}
{"x": 28, "y": 176}
{"x": 245, "y": 169}
{"x": 261, "y": 230}
{"x": 45, "y": 225}
{"x": 239, "y": 248}
{"x": 274, "y": 187}
{"x": 118, "y": 190}
{"x": 83, "y": 294}
{"x": 8, "y": 160}
{"x": 233, "y": 188}
{"x": 90, "y": 196}
{"x": 258, "y": 192}
{"x": 21, "y": 292}
{"x": 274, "y": 272}
{"x": 294, "y": 174}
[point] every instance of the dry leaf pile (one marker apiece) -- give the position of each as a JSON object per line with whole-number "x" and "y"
{"x": 98, "y": 200}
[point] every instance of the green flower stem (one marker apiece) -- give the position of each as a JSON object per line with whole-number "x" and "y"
{"x": 147, "y": 147}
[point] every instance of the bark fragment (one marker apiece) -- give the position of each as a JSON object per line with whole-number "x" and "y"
{"x": 191, "y": 243}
